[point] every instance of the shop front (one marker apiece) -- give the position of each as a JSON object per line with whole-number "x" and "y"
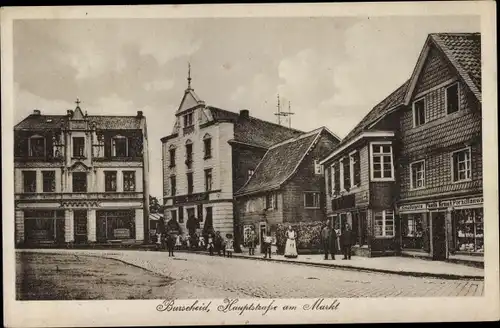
{"x": 441, "y": 228}
{"x": 115, "y": 225}
{"x": 44, "y": 226}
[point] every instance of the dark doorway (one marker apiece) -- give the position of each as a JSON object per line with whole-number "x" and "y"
{"x": 438, "y": 236}
{"x": 80, "y": 219}
{"x": 262, "y": 236}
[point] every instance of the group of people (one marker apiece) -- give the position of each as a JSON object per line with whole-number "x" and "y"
{"x": 330, "y": 238}
{"x": 267, "y": 242}
{"x": 216, "y": 243}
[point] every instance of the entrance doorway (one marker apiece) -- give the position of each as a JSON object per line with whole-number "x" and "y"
{"x": 80, "y": 219}
{"x": 262, "y": 235}
{"x": 438, "y": 236}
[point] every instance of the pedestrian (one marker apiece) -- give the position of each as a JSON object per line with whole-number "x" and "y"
{"x": 291, "y": 246}
{"x": 201, "y": 242}
{"x": 251, "y": 241}
{"x": 267, "y": 245}
{"x": 210, "y": 244}
{"x": 229, "y": 247}
{"x": 178, "y": 242}
{"x": 188, "y": 242}
{"x": 329, "y": 240}
{"x": 346, "y": 241}
{"x": 218, "y": 243}
{"x": 170, "y": 244}
{"x": 158, "y": 241}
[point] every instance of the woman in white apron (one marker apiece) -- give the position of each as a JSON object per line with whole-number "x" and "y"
{"x": 291, "y": 246}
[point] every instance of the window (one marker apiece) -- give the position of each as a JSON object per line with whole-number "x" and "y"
{"x": 78, "y": 147}
{"x": 354, "y": 169}
{"x": 129, "y": 181}
{"x": 452, "y": 99}
{"x": 189, "y": 154}
{"x": 49, "y": 181}
{"x": 172, "y": 157}
{"x": 417, "y": 177}
{"x": 207, "y": 146}
{"x": 384, "y": 223}
{"x": 120, "y": 146}
{"x": 190, "y": 182}
{"x": 318, "y": 168}
{"x": 36, "y": 146}
{"x": 311, "y": 199}
{"x": 382, "y": 166}
{"x": 79, "y": 182}
{"x": 461, "y": 165}
{"x": 346, "y": 174}
{"x": 208, "y": 179}
{"x": 188, "y": 120}
{"x": 415, "y": 231}
{"x": 173, "y": 185}
{"x": 181, "y": 214}
{"x": 271, "y": 201}
{"x": 419, "y": 112}
{"x": 110, "y": 181}
{"x": 469, "y": 230}
{"x": 29, "y": 181}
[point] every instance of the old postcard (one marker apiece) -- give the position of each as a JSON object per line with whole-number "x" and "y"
{"x": 248, "y": 164}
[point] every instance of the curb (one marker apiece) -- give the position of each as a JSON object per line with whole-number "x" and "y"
{"x": 354, "y": 268}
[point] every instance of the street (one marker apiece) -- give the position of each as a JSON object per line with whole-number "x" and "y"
{"x": 190, "y": 275}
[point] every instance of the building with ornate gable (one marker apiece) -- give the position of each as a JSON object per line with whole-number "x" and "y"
{"x": 81, "y": 179}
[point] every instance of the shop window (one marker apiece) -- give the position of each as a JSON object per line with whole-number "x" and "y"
{"x": 415, "y": 231}
{"x": 311, "y": 200}
{"x": 79, "y": 182}
{"x": 417, "y": 178}
{"x": 115, "y": 225}
{"x": 382, "y": 168}
{"x": 110, "y": 181}
{"x": 208, "y": 179}
{"x": 354, "y": 169}
{"x": 207, "y": 146}
{"x": 190, "y": 182}
{"x": 36, "y": 146}
{"x": 419, "y": 112}
{"x": 173, "y": 185}
{"x": 384, "y": 223}
{"x": 461, "y": 165}
{"x": 78, "y": 147}
{"x": 172, "y": 157}
{"x": 469, "y": 230}
{"x": 129, "y": 181}
{"x": 452, "y": 99}
{"x": 29, "y": 181}
{"x": 120, "y": 146}
{"x": 49, "y": 181}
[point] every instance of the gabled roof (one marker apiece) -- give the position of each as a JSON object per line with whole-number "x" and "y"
{"x": 50, "y": 122}
{"x": 253, "y": 131}
{"x": 463, "y": 52}
{"x": 280, "y": 163}
{"x": 189, "y": 100}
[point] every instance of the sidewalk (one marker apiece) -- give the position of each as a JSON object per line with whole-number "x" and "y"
{"x": 392, "y": 264}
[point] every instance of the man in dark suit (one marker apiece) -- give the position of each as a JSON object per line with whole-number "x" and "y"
{"x": 346, "y": 241}
{"x": 329, "y": 240}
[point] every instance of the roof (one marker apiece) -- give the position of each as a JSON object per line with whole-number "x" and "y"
{"x": 48, "y": 122}
{"x": 189, "y": 100}
{"x": 279, "y": 163}
{"x": 254, "y": 131}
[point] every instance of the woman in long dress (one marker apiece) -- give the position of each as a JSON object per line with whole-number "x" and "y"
{"x": 291, "y": 246}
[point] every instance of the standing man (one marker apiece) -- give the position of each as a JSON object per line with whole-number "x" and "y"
{"x": 251, "y": 241}
{"x": 267, "y": 245}
{"x": 346, "y": 241}
{"x": 329, "y": 240}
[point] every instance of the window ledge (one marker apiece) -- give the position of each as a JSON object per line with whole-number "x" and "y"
{"x": 464, "y": 180}
{"x": 312, "y": 208}
{"x": 419, "y": 188}
{"x": 384, "y": 237}
{"x": 383, "y": 180}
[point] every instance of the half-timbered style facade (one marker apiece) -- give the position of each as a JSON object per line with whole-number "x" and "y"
{"x": 81, "y": 178}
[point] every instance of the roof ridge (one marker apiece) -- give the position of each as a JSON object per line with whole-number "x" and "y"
{"x": 293, "y": 139}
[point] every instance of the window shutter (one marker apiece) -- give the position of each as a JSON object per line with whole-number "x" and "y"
{"x": 337, "y": 177}
{"x": 357, "y": 170}
{"x": 329, "y": 180}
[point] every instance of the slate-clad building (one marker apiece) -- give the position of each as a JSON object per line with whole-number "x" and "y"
{"x": 81, "y": 178}
{"x": 209, "y": 155}
{"x": 287, "y": 185}
{"x": 409, "y": 176}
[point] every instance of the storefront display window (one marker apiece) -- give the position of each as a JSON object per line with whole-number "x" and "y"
{"x": 44, "y": 226}
{"x": 469, "y": 230}
{"x": 115, "y": 225}
{"x": 414, "y": 231}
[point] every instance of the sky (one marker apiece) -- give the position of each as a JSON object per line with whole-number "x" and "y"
{"x": 331, "y": 70}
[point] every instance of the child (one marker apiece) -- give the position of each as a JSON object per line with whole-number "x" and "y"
{"x": 229, "y": 245}
{"x": 210, "y": 245}
{"x": 201, "y": 242}
{"x": 178, "y": 243}
{"x": 158, "y": 241}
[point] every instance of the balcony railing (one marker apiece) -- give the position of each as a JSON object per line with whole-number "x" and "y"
{"x": 78, "y": 195}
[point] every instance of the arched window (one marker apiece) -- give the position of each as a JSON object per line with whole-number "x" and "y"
{"x": 207, "y": 146}
{"x": 36, "y": 146}
{"x": 120, "y": 146}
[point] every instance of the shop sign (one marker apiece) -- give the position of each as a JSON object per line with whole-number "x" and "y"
{"x": 413, "y": 208}
{"x": 343, "y": 202}
{"x": 121, "y": 233}
{"x": 456, "y": 203}
{"x": 191, "y": 198}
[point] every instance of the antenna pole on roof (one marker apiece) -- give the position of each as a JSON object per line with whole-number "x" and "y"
{"x": 289, "y": 114}
{"x": 284, "y": 114}
{"x": 279, "y": 113}
{"x": 189, "y": 76}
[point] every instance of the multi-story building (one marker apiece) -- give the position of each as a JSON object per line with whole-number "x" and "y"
{"x": 209, "y": 155}
{"x": 413, "y": 165}
{"x": 287, "y": 185}
{"x": 81, "y": 178}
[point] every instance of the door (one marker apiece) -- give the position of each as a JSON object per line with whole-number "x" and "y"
{"x": 438, "y": 236}
{"x": 80, "y": 219}
{"x": 262, "y": 235}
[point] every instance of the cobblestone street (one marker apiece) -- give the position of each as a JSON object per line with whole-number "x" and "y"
{"x": 259, "y": 279}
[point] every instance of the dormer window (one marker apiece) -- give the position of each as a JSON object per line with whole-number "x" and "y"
{"x": 188, "y": 120}
{"x": 120, "y": 146}
{"x": 36, "y": 146}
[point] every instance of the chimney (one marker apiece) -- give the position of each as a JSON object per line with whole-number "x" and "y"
{"x": 244, "y": 113}
{"x": 139, "y": 113}
{"x": 36, "y": 112}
